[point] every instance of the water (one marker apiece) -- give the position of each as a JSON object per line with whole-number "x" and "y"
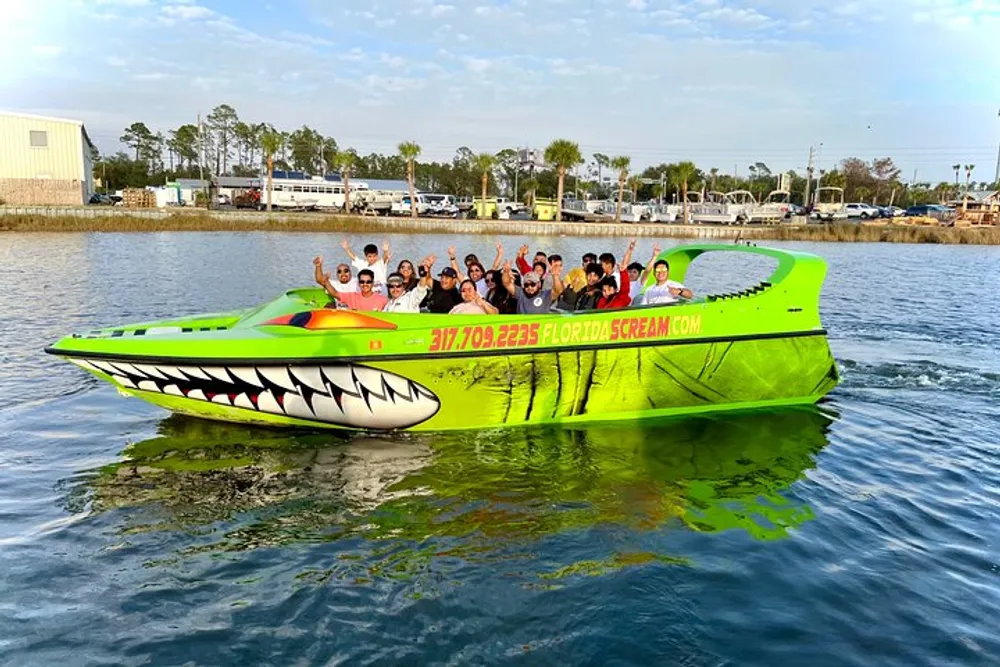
{"x": 863, "y": 532}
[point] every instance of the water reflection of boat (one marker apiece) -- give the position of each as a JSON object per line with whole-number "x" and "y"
{"x": 709, "y": 474}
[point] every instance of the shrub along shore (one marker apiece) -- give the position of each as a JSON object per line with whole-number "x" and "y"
{"x": 247, "y": 222}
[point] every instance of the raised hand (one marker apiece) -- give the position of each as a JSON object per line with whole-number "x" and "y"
{"x": 318, "y": 261}
{"x": 345, "y": 245}
{"x": 451, "y": 251}
{"x": 523, "y": 250}
{"x": 385, "y": 246}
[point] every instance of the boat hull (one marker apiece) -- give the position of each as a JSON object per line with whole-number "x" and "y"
{"x": 295, "y": 361}
{"x": 568, "y": 386}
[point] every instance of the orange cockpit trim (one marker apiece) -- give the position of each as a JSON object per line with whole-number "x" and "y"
{"x": 328, "y": 318}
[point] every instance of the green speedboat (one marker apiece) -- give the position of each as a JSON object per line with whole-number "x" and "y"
{"x": 295, "y": 362}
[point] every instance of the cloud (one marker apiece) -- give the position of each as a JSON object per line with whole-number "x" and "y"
{"x": 476, "y": 64}
{"x": 46, "y": 50}
{"x": 187, "y": 12}
{"x": 736, "y": 80}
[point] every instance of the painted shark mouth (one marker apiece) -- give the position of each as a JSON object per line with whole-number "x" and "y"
{"x": 342, "y": 394}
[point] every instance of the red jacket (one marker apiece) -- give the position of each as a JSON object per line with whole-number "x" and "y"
{"x": 621, "y": 299}
{"x": 523, "y": 266}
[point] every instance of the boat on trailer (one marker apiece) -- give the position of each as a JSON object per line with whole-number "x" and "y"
{"x": 296, "y": 361}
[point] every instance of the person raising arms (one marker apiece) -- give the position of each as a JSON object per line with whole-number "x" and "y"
{"x": 531, "y": 298}
{"x": 444, "y": 294}
{"x": 371, "y": 261}
{"x": 365, "y": 299}
{"x": 665, "y": 290}
{"x": 403, "y": 300}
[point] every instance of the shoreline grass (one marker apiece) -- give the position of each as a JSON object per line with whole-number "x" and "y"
{"x": 244, "y": 222}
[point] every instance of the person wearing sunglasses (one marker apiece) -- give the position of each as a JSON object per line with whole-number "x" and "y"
{"x": 409, "y": 274}
{"x": 364, "y": 299}
{"x": 402, "y": 300}
{"x": 665, "y": 290}
{"x": 344, "y": 282}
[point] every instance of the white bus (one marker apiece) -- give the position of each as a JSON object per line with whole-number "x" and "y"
{"x": 315, "y": 192}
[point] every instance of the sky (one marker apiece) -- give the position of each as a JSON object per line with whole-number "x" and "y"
{"x": 725, "y": 83}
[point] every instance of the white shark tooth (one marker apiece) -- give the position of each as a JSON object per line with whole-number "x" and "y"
{"x": 193, "y": 371}
{"x": 243, "y": 401}
{"x": 399, "y": 385}
{"x": 221, "y": 399}
{"x": 342, "y": 377}
{"x": 248, "y": 374}
{"x": 327, "y": 409}
{"x": 173, "y": 372}
{"x": 296, "y": 406}
{"x": 128, "y": 369}
{"x": 422, "y": 392}
{"x": 278, "y": 375}
{"x": 123, "y": 381}
{"x": 148, "y": 385}
{"x": 371, "y": 380}
{"x": 197, "y": 394}
{"x": 151, "y": 371}
{"x": 85, "y": 365}
{"x": 219, "y": 373}
{"x": 267, "y": 403}
{"x": 309, "y": 376}
{"x": 173, "y": 389}
{"x": 105, "y": 367}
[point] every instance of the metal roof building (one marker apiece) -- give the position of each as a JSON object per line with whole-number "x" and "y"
{"x": 44, "y": 161}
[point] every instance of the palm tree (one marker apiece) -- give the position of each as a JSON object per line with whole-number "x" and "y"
{"x": 634, "y": 184}
{"x": 345, "y": 160}
{"x": 968, "y": 176}
{"x": 562, "y": 154}
{"x": 409, "y": 151}
{"x": 957, "y": 168}
{"x": 270, "y": 143}
{"x": 603, "y": 162}
{"x": 620, "y": 164}
{"x": 484, "y": 163}
{"x": 683, "y": 173}
{"x": 714, "y": 171}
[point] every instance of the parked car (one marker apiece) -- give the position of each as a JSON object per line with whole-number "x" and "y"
{"x": 863, "y": 211}
{"x": 942, "y": 213}
{"x": 98, "y": 199}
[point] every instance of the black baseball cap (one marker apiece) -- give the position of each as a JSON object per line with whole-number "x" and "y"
{"x": 448, "y": 271}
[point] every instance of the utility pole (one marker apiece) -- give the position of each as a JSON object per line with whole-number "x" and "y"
{"x": 201, "y": 151}
{"x": 809, "y": 177}
{"x": 996, "y": 177}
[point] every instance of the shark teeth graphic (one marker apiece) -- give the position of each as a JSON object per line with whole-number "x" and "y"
{"x": 343, "y": 394}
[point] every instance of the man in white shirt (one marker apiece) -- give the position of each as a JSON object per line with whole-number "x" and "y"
{"x": 344, "y": 283}
{"x": 665, "y": 290}
{"x": 371, "y": 261}
{"x": 401, "y": 301}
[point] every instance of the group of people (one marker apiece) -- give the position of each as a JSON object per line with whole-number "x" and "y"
{"x": 536, "y": 287}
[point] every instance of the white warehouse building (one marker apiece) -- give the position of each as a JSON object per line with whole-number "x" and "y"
{"x": 44, "y": 161}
